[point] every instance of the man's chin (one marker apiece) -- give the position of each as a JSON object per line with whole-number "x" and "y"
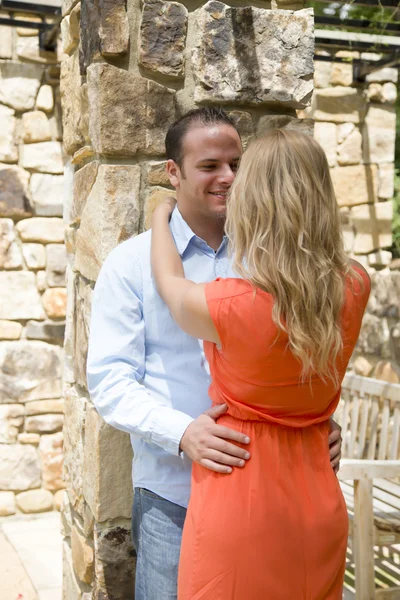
{"x": 220, "y": 212}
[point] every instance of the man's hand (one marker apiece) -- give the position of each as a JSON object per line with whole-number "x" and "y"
{"x": 335, "y": 445}
{"x": 206, "y": 442}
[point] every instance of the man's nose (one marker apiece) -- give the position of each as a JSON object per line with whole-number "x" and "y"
{"x": 226, "y": 175}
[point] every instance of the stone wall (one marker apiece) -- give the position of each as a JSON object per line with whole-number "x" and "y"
{"x": 356, "y": 125}
{"x": 32, "y": 275}
{"x": 132, "y": 68}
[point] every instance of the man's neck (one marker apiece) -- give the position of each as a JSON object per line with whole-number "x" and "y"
{"x": 210, "y": 230}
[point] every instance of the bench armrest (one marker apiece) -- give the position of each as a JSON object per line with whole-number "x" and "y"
{"x": 368, "y": 469}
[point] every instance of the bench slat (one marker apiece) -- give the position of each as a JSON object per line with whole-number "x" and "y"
{"x": 383, "y": 443}
{"x": 395, "y": 435}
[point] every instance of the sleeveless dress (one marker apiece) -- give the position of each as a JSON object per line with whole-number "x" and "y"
{"x": 275, "y": 529}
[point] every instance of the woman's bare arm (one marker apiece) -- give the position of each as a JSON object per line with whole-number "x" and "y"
{"x": 185, "y": 299}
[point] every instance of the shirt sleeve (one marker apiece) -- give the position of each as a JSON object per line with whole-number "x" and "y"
{"x": 116, "y": 359}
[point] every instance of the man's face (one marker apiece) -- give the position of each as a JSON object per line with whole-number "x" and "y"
{"x": 210, "y": 159}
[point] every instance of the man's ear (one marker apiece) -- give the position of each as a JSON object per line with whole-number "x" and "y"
{"x": 174, "y": 173}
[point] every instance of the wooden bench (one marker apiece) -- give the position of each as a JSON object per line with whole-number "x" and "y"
{"x": 369, "y": 413}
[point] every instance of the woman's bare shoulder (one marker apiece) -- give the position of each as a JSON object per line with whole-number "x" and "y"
{"x": 358, "y": 267}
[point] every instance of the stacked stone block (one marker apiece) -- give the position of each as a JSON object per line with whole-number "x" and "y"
{"x": 132, "y": 68}
{"x": 32, "y": 275}
{"x": 356, "y": 125}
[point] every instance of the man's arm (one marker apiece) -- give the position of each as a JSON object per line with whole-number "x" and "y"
{"x": 116, "y": 366}
{"x": 335, "y": 445}
{"x": 116, "y": 358}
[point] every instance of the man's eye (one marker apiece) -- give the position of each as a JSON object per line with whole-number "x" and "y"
{"x": 208, "y": 167}
{"x": 235, "y": 166}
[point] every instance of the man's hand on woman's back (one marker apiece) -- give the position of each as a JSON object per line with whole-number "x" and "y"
{"x": 210, "y": 444}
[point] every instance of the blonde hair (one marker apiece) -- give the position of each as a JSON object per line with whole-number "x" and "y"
{"x": 283, "y": 224}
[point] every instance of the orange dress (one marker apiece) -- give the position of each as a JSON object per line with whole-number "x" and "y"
{"x": 277, "y": 528}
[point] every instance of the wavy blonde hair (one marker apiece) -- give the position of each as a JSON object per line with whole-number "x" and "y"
{"x": 283, "y": 224}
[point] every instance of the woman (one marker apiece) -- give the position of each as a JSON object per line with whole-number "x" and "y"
{"x": 278, "y": 340}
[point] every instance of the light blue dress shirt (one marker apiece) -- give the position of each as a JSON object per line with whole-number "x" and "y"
{"x": 145, "y": 375}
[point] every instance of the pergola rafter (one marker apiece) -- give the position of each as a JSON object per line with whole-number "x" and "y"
{"x": 48, "y": 31}
{"x": 365, "y": 36}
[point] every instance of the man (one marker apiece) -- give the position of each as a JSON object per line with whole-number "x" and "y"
{"x": 149, "y": 378}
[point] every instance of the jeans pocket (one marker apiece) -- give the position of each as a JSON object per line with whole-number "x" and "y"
{"x": 149, "y": 494}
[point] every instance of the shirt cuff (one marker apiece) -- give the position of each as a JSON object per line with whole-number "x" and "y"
{"x": 168, "y": 431}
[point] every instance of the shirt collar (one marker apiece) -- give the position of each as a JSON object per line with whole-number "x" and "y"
{"x": 182, "y": 233}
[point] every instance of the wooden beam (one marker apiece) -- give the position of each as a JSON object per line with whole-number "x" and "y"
{"x": 386, "y": 28}
{"x": 360, "y": 469}
{"x": 388, "y": 594}
{"x": 357, "y": 38}
{"x": 393, "y": 3}
{"x": 364, "y": 540}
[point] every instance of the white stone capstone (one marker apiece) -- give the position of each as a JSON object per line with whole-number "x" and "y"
{"x": 5, "y": 41}
{"x": 322, "y": 73}
{"x": 339, "y": 105}
{"x": 36, "y": 127}
{"x": 343, "y": 131}
{"x": 379, "y": 134}
{"x": 10, "y": 252}
{"x": 19, "y": 84}
{"x": 45, "y": 157}
{"x": 14, "y": 197}
{"x": 379, "y": 259}
{"x": 382, "y": 75}
{"x": 342, "y": 74}
{"x": 29, "y": 370}
{"x": 44, "y": 423}
{"x": 386, "y": 181}
{"x": 28, "y": 50}
{"x": 8, "y": 146}
{"x": 41, "y": 230}
{"x": 51, "y": 454}
{"x": 29, "y": 438}
{"x": 374, "y": 335}
{"x": 34, "y": 255}
{"x": 362, "y": 366}
{"x": 20, "y": 298}
{"x": 10, "y": 330}
{"x": 35, "y": 501}
{"x": 45, "y": 99}
{"x": 56, "y": 263}
{"x": 384, "y": 299}
{"x": 373, "y": 224}
{"x": 47, "y": 194}
{"x": 355, "y": 184}
{"x": 349, "y": 151}
{"x": 7, "y": 499}
{"x": 19, "y": 467}
{"x": 325, "y": 135}
{"x": 41, "y": 281}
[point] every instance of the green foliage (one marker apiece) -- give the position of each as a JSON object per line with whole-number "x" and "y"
{"x": 396, "y": 216}
{"x": 396, "y": 198}
{"x": 378, "y": 16}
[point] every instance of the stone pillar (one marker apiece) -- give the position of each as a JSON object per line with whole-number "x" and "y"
{"x": 131, "y": 69}
{"x": 32, "y": 275}
{"x": 356, "y": 125}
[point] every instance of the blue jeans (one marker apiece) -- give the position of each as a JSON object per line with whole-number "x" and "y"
{"x": 157, "y": 526}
